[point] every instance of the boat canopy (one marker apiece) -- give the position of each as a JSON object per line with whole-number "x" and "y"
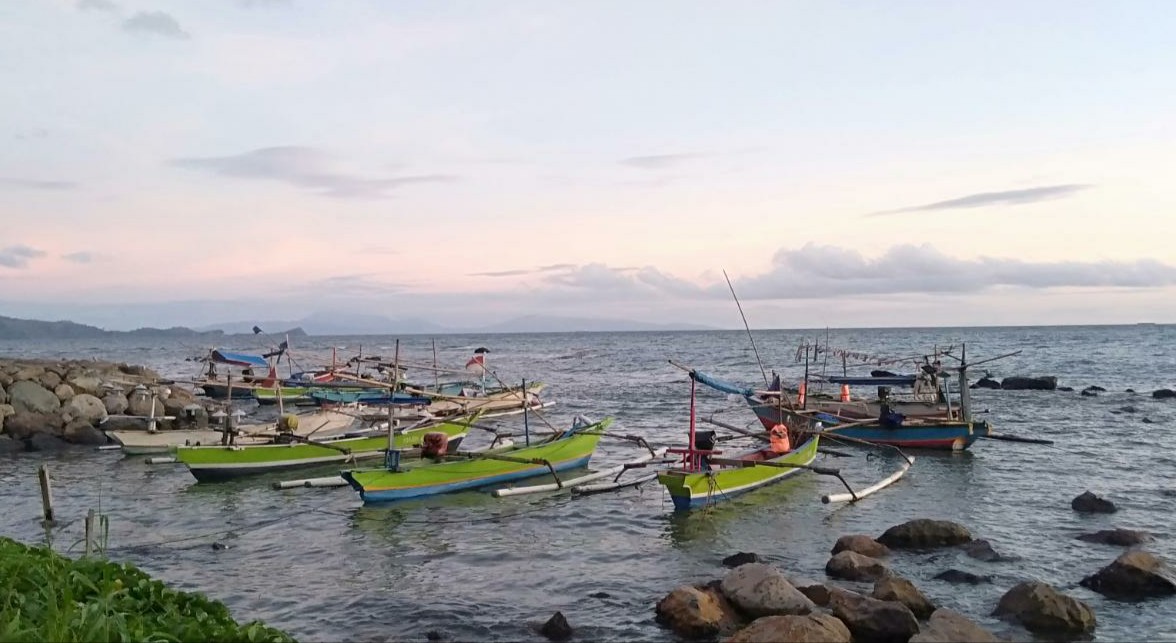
{"x": 721, "y": 385}
{"x": 896, "y": 380}
{"x": 238, "y": 359}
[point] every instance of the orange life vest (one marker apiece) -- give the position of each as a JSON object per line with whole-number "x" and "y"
{"x": 778, "y": 437}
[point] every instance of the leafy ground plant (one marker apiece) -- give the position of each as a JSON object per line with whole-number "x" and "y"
{"x": 47, "y": 597}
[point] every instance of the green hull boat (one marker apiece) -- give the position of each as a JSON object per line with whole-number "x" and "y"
{"x": 691, "y": 489}
{"x": 570, "y": 449}
{"x": 219, "y": 463}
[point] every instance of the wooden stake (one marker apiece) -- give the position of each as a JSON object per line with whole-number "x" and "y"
{"x": 46, "y": 495}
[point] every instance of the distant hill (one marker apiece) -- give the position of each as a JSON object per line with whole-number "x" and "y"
{"x": 553, "y": 324}
{"x": 13, "y": 328}
{"x": 325, "y": 323}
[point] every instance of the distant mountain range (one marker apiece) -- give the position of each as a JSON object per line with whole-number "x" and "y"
{"x": 333, "y": 324}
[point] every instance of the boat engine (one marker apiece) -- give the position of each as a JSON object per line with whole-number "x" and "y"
{"x": 434, "y": 444}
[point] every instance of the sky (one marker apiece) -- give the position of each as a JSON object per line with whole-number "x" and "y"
{"x": 847, "y": 164}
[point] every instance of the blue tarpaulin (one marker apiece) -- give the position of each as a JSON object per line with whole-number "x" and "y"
{"x": 238, "y": 359}
{"x": 721, "y": 385}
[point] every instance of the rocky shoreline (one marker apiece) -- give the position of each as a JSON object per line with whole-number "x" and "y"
{"x": 758, "y": 603}
{"x": 48, "y": 404}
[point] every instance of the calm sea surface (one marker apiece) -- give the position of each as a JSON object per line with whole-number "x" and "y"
{"x": 319, "y": 564}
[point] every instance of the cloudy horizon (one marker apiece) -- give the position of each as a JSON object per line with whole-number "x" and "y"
{"x": 172, "y": 163}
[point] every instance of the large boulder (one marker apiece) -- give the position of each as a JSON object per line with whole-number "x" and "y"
{"x": 3, "y": 394}
{"x": 896, "y": 588}
{"x": 925, "y": 534}
{"x": 556, "y": 628}
{"x": 811, "y": 628}
{"x": 28, "y": 373}
{"x": 850, "y": 565}
{"x": 1135, "y": 574}
{"x": 949, "y": 626}
{"x": 84, "y": 407}
{"x": 1042, "y": 609}
{"x": 1164, "y": 394}
{"x": 30, "y": 396}
{"x": 981, "y": 549}
{"x": 741, "y": 558}
{"x": 696, "y": 612}
{"x": 961, "y": 577}
{"x": 863, "y": 545}
{"x": 869, "y": 619}
{"x": 139, "y": 402}
{"x": 115, "y": 403}
{"x": 1020, "y": 383}
{"x": 23, "y": 424}
{"x": 49, "y": 380}
{"x": 87, "y": 384}
{"x": 81, "y": 431}
{"x": 1087, "y": 502}
{"x": 5, "y": 411}
{"x": 64, "y": 392}
{"x": 756, "y": 589}
{"x": 1117, "y": 537}
{"x": 45, "y": 442}
{"x": 986, "y": 382}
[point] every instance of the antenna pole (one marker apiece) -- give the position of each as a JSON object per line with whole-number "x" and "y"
{"x": 748, "y": 328}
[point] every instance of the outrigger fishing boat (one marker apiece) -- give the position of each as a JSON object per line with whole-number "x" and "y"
{"x": 564, "y": 450}
{"x": 291, "y": 451}
{"x": 150, "y": 441}
{"x": 703, "y": 478}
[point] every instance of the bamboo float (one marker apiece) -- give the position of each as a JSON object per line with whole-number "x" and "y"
{"x": 589, "y": 489}
{"x": 882, "y": 484}
{"x": 329, "y": 481}
{"x": 575, "y": 482}
{"x": 163, "y": 459}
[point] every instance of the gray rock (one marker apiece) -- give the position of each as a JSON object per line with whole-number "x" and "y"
{"x": 82, "y": 432}
{"x": 1116, "y": 537}
{"x": 556, "y": 628}
{"x": 986, "y": 382}
{"x": 960, "y": 577}
{"x": 925, "y": 534}
{"x": 1044, "y": 610}
{"x": 29, "y": 396}
{"x": 46, "y": 442}
{"x": 3, "y": 395}
{"x": 757, "y": 590}
{"x": 115, "y": 403}
{"x": 869, "y": 619}
{"x": 30, "y": 373}
{"x": 741, "y": 558}
{"x": 1017, "y": 383}
{"x": 863, "y": 545}
{"x": 49, "y": 380}
{"x": 85, "y": 407}
{"x": 1087, "y": 502}
{"x": 949, "y": 626}
{"x": 696, "y": 612}
{"x": 63, "y": 392}
{"x": 140, "y": 403}
{"x": 982, "y": 550}
{"x": 810, "y": 628}
{"x": 850, "y": 565}
{"x": 23, "y": 425}
{"x": 1164, "y": 394}
{"x": 1129, "y": 409}
{"x": 896, "y": 588}
{"x": 1135, "y": 574}
{"x": 87, "y": 384}
{"x": 8, "y": 445}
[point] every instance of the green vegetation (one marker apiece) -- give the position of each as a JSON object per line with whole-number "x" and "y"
{"x": 47, "y": 597}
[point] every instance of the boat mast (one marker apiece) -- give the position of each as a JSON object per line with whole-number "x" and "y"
{"x": 965, "y": 393}
{"x": 693, "y": 455}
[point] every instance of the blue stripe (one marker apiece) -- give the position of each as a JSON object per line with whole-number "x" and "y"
{"x": 682, "y": 503}
{"x": 416, "y": 492}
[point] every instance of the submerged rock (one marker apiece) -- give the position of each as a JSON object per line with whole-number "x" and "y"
{"x": 24, "y": 424}
{"x": 1042, "y": 609}
{"x": 1164, "y": 394}
{"x": 960, "y": 577}
{"x": 869, "y": 619}
{"x": 1117, "y": 537}
{"x": 863, "y": 545}
{"x": 1087, "y": 502}
{"x": 556, "y": 628}
{"x": 925, "y": 534}
{"x": 896, "y": 588}
{"x": 949, "y": 626}
{"x": 46, "y": 442}
{"x": 1021, "y": 383}
{"x": 81, "y": 432}
{"x": 982, "y": 550}
{"x": 756, "y": 589}
{"x": 810, "y": 628}
{"x": 1135, "y": 574}
{"x": 696, "y": 612}
{"x": 8, "y": 445}
{"x": 742, "y": 558}
{"x": 986, "y": 382}
{"x": 850, "y": 565}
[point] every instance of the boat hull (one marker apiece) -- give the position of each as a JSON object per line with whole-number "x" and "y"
{"x": 916, "y": 433}
{"x": 428, "y": 479}
{"x": 692, "y": 490}
{"x": 289, "y": 395}
{"x": 221, "y": 391}
{"x": 220, "y": 463}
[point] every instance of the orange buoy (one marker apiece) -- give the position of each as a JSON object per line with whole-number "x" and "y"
{"x": 800, "y": 394}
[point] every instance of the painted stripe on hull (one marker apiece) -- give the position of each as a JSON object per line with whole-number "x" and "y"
{"x": 416, "y": 492}
{"x": 911, "y": 437}
{"x": 685, "y": 503}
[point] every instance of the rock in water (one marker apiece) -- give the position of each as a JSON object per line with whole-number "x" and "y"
{"x": 1017, "y": 383}
{"x": 925, "y": 534}
{"x": 435, "y": 635}
{"x": 1042, "y": 609}
{"x": 556, "y": 628}
{"x": 85, "y": 407}
{"x": 1116, "y": 537}
{"x": 960, "y": 577}
{"x": 863, "y": 545}
{"x": 45, "y": 442}
{"x": 1090, "y": 503}
{"x": 850, "y": 565}
{"x": 949, "y": 626}
{"x": 23, "y": 425}
{"x": 869, "y": 619}
{"x": 757, "y": 590}
{"x": 811, "y": 628}
{"x": 8, "y": 445}
{"x": 986, "y": 382}
{"x": 981, "y": 550}
{"x": 742, "y": 558}
{"x": 1135, "y": 574}
{"x": 896, "y": 588}
{"x": 30, "y": 396}
{"x": 696, "y": 612}
{"x": 1164, "y": 394}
